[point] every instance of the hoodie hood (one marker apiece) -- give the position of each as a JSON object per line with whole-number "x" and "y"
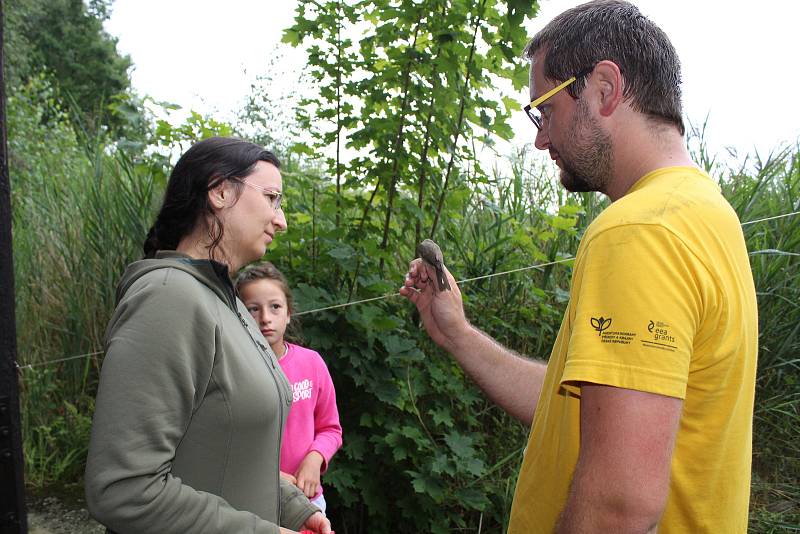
{"x": 210, "y": 273}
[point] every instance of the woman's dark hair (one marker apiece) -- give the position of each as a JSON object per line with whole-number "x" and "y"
{"x": 201, "y": 168}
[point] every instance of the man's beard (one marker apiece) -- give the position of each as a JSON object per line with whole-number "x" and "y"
{"x": 586, "y": 164}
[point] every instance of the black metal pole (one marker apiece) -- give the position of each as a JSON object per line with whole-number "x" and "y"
{"x": 13, "y": 518}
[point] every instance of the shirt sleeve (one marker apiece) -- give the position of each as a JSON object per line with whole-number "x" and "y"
{"x": 295, "y": 506}
{"x": 327, "y": 429}
{"x": 160, "y": 350}
{"x": 638, "y": 304}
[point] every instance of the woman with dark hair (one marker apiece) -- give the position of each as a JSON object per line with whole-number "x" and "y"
{"x": 191, "y": 403}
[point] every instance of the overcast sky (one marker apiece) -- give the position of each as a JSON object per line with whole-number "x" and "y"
{"x": 739, "y": 58}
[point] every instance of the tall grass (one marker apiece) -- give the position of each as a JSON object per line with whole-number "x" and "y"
{"x": 775, "y": 257}
{"x": 761, "y": 189}
{"x": 80, "y": 210}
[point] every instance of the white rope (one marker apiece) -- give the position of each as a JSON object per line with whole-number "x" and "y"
{"x": 517, "y": 270}
{"x": 389, "y": 295}
{"x": 386, "y": 296}
{"x": 47, "y": 362}
{"x": 771, "y": 218}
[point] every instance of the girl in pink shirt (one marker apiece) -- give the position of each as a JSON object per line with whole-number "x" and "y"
{"x": 313, "y": 433}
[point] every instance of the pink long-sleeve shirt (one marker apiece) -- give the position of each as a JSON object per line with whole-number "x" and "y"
{"x": 313, "y": 421}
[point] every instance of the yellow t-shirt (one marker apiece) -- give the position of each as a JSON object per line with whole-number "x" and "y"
{"x": 662, "y": 301}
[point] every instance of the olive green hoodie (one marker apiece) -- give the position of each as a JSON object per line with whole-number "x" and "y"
{"x": 190, "y": 410}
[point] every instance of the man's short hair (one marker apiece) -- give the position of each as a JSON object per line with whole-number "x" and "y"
{"x": 617, "y": 31}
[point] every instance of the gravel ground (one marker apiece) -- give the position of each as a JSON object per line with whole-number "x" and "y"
{"x": 51, "y": 515}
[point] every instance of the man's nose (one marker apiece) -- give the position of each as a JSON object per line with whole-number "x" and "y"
{"x": 542, "y": 141}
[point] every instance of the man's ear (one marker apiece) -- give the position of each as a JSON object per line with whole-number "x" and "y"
{"x": 608, "y": 80}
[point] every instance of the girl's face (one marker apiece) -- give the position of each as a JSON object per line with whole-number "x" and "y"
{"x": 266, "y": 302}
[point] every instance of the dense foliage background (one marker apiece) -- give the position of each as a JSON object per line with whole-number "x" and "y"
{"x": 399, "y": 107}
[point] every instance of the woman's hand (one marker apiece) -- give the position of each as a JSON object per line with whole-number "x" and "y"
{"x": 289, "y": 478}
{"x": 318, "y": 523}
{"x": 308, "y": 474}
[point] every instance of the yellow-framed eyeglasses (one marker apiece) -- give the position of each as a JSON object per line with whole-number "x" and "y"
{"x": 531, "y": 109}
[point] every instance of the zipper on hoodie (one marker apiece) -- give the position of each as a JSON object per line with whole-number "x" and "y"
{"x": 265, "y": 355}
{"x": 257, "y": 342}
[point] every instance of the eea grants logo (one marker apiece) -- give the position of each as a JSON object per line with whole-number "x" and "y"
{"x": 600, "y": 324}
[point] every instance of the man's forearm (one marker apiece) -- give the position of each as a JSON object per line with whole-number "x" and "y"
{"x": 511, "y": 381}
{"x": 621, "y": 479}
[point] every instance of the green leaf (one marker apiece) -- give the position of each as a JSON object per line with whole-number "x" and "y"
{"x": 563, "y": 223}
{"x": 441, "y": 416}
{"x": 300, "y": 218}
{"x": 291, "y": 37}
{"x": 460, "y": 444}
{"x": 342, "y": 252}
{"x": 412, "y": 432}
{"x": 570, "y": 210}
{"x": 427, "y": 485}
{"x": 474, "y": 466}
{"x": 520, "y": 77}
{"x": 473, "y": 498}
{"x": 386, "y": 391}
{"x": 511, "y": 105}
{"x": 397, "y": 345}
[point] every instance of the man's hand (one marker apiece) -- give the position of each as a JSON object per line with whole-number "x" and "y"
{"x": 308, "y": 473}
{"x": 442, "y": 312}
{"x": 510, "y": 380}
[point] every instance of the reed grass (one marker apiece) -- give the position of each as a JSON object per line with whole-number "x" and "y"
{"x": 80, "y": 209}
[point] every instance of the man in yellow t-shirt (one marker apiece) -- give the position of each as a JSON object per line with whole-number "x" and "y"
{"x": 641, "y": 420}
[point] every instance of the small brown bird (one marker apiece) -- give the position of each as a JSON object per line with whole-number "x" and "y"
{"x": 432, "y": 255}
